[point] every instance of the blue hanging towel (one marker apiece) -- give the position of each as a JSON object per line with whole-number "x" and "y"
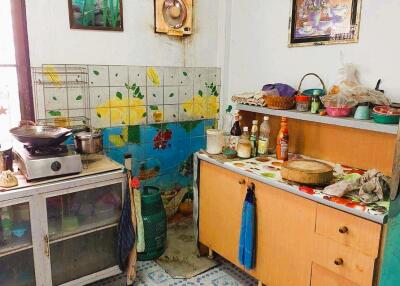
{"x": 126, "y": 233}
{"x": 247, "y": 229}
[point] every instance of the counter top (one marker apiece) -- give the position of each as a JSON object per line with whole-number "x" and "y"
{"x": 93, "y": 164}
{"x": 268, "y": 172}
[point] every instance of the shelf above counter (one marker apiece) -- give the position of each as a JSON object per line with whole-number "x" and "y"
{"x": 338, "y": 121}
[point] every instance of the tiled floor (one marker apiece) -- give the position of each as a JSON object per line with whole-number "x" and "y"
{"x": 150, "y": 274}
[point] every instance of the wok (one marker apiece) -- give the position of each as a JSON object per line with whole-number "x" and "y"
{"x": 39, "y": 136}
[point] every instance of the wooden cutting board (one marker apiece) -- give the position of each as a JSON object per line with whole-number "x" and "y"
{"x": 308, "y": 172}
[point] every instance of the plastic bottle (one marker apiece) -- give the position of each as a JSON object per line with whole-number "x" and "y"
{"x": 282, "y": 141}
{"x": 6, "y": 223}
{"x": 253, "y": 138}
{"x": 263, "y": 140}
{"x": 244, "y": 145}
{"x": 236, "y": 132}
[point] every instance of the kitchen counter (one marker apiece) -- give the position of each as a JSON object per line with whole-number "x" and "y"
{"x": 93, "y": 165}
{"x": 268, "y": 173}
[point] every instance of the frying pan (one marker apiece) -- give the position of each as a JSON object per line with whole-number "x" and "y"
{"x": 38, "y": 136}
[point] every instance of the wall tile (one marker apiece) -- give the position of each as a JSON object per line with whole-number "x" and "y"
{"x": 171, "y": 95}
{"x": 201, "y": 77}
{"x": 99, "y": 96}
{"x": 171, "y": 113}
{"x": 172, "y": 76}
{"x": 118, "y": 75}
{"x": 186, "y": 76}
{"x": 137, "y": 96}
{"x": 119, "y": 96}
{"x": 155, "y": 114}
{"x": 54, "y": 113}
{"x": 98, "y": 76}
{"x": 119, "y": 116}
{"x": 155, "y": 95}
{"x": 100, "y": 117}
{"x": 185, "y": 93}
{"x": 55, "y": 98}
{"x": 155, "y": 76}
{"x": 137, "y": 75}
{"x": 138, "y": 115}
{"x": 185, "y": 112}
{"x": 76, "y": 98}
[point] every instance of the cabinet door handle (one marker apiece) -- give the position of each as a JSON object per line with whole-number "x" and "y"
{"x": 343, "y": 230}
{"x": 46, "y": 245}
{"x": 338, "y": 261}
{"x": 242, "y": 182}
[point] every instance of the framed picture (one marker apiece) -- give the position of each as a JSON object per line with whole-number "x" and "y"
{"x": 324, "y": 22}
{"x": 96, "y": 14}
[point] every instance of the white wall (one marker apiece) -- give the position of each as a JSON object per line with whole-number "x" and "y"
{"x": 52, "y": 41}
{"x": 258, "y": 51}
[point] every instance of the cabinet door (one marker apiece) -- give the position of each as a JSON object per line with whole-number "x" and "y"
{"x": 82, "y": 230}
{"x": 16, "y": 248}
{"x": 221, "y": 196}
{"x": 285, "y": 228}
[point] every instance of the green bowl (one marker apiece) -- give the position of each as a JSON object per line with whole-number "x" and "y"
{"x": 314, "y": 91}
{"x": 385, "y": 119}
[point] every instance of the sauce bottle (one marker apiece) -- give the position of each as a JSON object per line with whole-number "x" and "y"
{"x": 282, "y": 141}
{"x": 253, "y": 138}
{"x": 236, "y": 132}
{"x": 263, "y": 140}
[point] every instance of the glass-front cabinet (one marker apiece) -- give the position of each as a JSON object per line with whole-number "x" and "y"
{"x": 16, "y": 247}
{"x": 64, "y": 236}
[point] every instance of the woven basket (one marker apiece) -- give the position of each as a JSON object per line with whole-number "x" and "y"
{"x": 279, "y": 102}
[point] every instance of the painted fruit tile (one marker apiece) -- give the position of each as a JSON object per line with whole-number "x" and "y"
{"x": 99, "y": 97}
{"x": 118, "y": 75}
{"x": 171, "y": 94}
{"x": 185, "y": 93}
{"x": 119, "y": 116}
{"x": 54, "y": 113}
{"x": 55, "y": 98}
{"x": 171, "y": 113}
{"x": 149, "y": 132}
{"x": 98, "y": 76}
{"x": 155, "y": 76}
{"x": 54, "y": 76}
{"x": 186, "y": 76}
{"x": 197, "y": 128}
{"x": 137, "y": 75}
{"x": 155, "y": 114}
{"x": 171, "y": 76}
{"x": 138, "y": 96}
{"x": 76, "y": 98}
{"x": 155, "y": 95}
{"x": 100, "y": 117}
{"x": 138, "y": 115}
{"x": 186, "y": 111}
{"x": 119, "y": 97}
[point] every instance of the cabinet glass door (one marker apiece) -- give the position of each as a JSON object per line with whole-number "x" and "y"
{"x": 16, "y": 251}
{"x": 83, "y": 231}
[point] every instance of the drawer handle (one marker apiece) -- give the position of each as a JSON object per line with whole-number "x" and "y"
{"x": 242, "y": 182}
{"x": 338, "y": 261}
{"x": 343, "y": 230}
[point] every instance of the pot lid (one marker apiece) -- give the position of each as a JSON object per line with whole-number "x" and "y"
{"x": 174, "y": 13}
{"x": 88, "y": 134}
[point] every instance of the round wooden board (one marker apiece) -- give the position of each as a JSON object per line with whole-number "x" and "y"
{"x": 307, "y": 172}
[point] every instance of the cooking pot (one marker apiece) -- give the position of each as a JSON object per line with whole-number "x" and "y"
{"x": 6, "y": 157}
{"x": 89, "y": 142}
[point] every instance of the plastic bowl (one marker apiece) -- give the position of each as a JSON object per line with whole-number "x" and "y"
{"x": 339, "y": 111}
{"x": 313, "y": 92}
{"x": 385, "y": 119}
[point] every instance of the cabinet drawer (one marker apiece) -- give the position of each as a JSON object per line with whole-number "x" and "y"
{"x": 349, "y": 230}
{"x": 323, "y": 277}
{"x": 344, "y": 261}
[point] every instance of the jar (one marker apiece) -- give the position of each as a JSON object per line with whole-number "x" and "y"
{"x": 302, "y": 103}
{"x": 315, "y": 104}
{"x": 215, "y": 141}
{"x": 244, "y": 145}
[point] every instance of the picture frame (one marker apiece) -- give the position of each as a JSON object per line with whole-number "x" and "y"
{"x": 106, "y": 15}
{"x": 324, "y": 22}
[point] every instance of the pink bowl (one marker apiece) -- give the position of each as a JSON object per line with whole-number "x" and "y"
{"x": 339, "y": 111}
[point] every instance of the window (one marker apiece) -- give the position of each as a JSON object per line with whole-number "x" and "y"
{"x": 9, "y": 96}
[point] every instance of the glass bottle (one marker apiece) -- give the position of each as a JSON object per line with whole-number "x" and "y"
{"x": 253, "y": 138}
{"x": 315, "y": 103}
{"x": 227, "y": 121}
{"x": 282, "y": 141}
{"x": 244, "y": 144}
{"x": 263, "y": 140}
{"x": 236, "y": 132}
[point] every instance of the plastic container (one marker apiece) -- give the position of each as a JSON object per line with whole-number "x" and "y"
{"x": 303, "y": 103}
{"x": 385, "y": 119}
{"x": 339, "y": 111}
{"x": 215, "y": 141}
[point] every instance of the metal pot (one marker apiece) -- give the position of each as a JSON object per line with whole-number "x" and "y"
{"x": 89, "y": 142}
{"x": 6, "y": 157}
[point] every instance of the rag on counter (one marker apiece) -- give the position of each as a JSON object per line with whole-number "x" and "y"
{"x": 247, "y": 230}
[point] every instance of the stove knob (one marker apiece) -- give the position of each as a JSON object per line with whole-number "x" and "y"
{"x": 55, "y": 166}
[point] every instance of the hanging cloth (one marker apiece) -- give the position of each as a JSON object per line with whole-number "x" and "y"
{"x": 247, "y": 230}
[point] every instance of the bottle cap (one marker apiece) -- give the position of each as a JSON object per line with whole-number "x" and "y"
{"x": 245, "y": 128}
{"x": 266, "y": 118}
{"x": 255, "y": 122}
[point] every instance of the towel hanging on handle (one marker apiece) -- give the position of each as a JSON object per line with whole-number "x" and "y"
{"x": 247, "y": 230}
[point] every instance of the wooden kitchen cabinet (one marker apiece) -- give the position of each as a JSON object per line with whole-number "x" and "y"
{"x": 298, "y": 241}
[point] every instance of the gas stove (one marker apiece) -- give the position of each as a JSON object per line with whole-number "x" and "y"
{"x": 39, "y": 163}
